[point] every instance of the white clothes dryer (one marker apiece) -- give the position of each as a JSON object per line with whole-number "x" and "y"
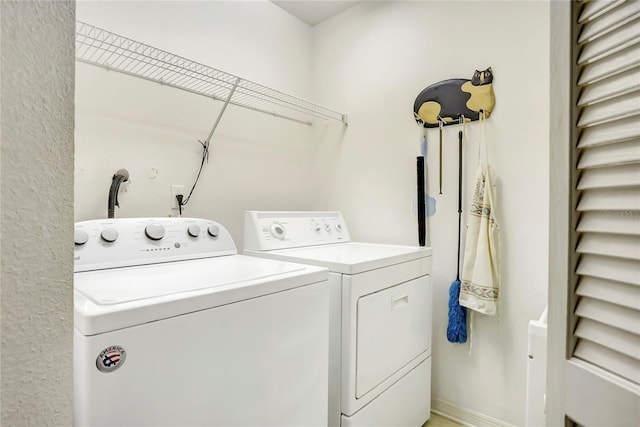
{"x": 380, "y": 314}
{"x": 174, "y": 328}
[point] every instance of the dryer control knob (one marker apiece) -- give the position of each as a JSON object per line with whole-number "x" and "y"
{"x": 193, "y": 230}
{"x": 213, "y": 230}
{"x": 109, "y": 235}
{"x": 80, "y": 237}
{"x": 277, "y": 231}
{"x": 154, "y": 231}
{"x": 339, "y": 228}
{"x": 327, "y": 227}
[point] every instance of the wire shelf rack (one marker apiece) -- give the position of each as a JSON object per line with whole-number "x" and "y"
{"x": 103, "y": 48}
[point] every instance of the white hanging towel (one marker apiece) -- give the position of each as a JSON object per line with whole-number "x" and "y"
{"x": 480, "y": 285}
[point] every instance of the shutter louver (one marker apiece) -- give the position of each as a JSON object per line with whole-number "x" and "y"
{"x": 610, "y": 202}
{"x": 615, "y": 63}
{"x": 621, "y": 176}
{"x": 612, "y": 338}
{"x": 595, "y": 8}
{"x": 620, "y": 153}
{"x": 619, "y": 16}
{"x": 607, "y": 312}
{"x": 608, "y": 133}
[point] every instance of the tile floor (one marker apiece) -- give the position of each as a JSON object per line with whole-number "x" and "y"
{"x": 440, "y": 421}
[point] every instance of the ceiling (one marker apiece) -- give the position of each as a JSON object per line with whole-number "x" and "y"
{"x": 314, "y": 12}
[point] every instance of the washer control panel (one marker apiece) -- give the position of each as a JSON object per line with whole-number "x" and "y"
{"x": 279, "y": 230}
{"x": 125, "y": 242}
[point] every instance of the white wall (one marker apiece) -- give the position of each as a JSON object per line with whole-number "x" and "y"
{"x": 256, "y": 161}
{"x": 36, "y": 222}
{"x": 372, "y": 61}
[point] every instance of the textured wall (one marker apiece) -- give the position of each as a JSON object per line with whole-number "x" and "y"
{"x": 36, "y": 222}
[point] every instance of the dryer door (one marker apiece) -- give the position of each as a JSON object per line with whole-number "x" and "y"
{"x": 393, "y": 328}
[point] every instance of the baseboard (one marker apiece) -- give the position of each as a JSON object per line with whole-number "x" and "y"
{"x": 464, "y": 416}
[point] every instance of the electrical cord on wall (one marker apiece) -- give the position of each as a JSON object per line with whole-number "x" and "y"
{"x": 205, "y": 145}
{"x": 205, "y": 157}
{"x": 179, "y": 197}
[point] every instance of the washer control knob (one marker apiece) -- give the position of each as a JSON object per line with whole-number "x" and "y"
{"x": 327, "y": 227}
{"x": 154, "y": 231}
{"x": 109, "y": 235}
{"x": 339, "y": 228}
{"x": 193, "y": 230}
{"x": 213, "y": 230}
{"x": 277, "y": 231}
{"x": 80, "y": 237}
{"x": 316, "y": 228}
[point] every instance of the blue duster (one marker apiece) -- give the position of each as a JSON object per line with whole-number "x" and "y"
{"x": 457, "y": 328}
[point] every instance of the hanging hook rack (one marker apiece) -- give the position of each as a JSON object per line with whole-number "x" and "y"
{"x": 454, "y": 121}
{"x": 443, "y": 103}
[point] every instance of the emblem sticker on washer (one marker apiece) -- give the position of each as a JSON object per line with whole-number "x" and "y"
{"x": 111, "y": 358}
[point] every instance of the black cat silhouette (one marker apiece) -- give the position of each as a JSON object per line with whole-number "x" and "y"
{"x": 451, "y": 99}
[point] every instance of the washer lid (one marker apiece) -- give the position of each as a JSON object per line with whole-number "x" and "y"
{"x": 113, "y": 299}
{"x": 349, "y": 258}
{"x": 117, "y": 286}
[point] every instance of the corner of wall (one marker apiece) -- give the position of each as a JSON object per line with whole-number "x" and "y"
{"x": 36, "y": 220}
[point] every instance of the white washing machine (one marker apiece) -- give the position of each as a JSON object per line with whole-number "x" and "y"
{"x": 380, "y": 314}
{"x": 174, "y": 328}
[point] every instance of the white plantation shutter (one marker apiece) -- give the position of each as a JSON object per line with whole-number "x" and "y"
{"x": 606, "y": 336}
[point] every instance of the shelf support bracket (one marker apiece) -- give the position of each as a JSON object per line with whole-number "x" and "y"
{"x": 224, "y": 107}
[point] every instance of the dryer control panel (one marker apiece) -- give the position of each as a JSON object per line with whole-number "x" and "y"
{"x": 124, "y": 242}
{"x": 264, "y": 230}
